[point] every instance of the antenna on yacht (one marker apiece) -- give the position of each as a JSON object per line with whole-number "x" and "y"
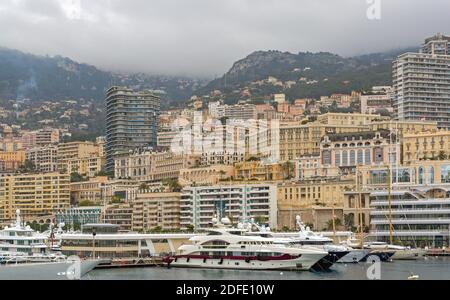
{"x": 18, "y": 220}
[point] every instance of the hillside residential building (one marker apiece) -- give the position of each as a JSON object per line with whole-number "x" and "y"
{"x": 153, "y": 210}
{"x": 150, "y": 165}
{"x": 199, "y": 205}
{"x": 131, "y": 121}
{"x": 421, "y": 83}
{"x": 34, "y": 194}
{"x": 44, "y": 158}
{"x": 426, "y": 145}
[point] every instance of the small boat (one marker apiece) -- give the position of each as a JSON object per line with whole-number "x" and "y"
{"x": 413, "y": 277}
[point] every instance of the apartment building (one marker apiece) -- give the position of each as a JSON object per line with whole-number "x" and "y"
{"x": 311, "y": 194}
{"x": 208, "y": 175}
{"x": 258, "y": 170}
{"x": 297, "y": 140}
{"x": 348, "y": 150}
{"x": 131, "y": 121}
{"x": 11, "y": 161}
{"x": 44, "y": 158}
{"x": 120, "y": 214}
{"x": 346, "y": 119}
{"x": 153, "y": 210}
{"x": 91, "y": 191}
{"x": 426, "y": 145}
{"x": 81, "y": 157}
{"x": 34, "y": 194}
{"x": 150, "y": 165}
{"x": 421, "y": 83}
{"x": 199, "y": 205}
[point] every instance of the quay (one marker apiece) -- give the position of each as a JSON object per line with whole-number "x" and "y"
{"x": 132, "y": 263}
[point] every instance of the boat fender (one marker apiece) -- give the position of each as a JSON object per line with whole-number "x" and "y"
{"x": 221, "y": 261}
{"x": 247, "y": 259}
{"x": 188, "y": 259}
{"x": 204, "y": 260}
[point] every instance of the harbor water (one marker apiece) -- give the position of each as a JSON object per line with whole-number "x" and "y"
{"x": 430, "y": 268}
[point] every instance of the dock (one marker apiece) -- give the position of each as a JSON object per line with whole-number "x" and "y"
{"x": 438, "y": 252}
{"x": 132, "y": 263}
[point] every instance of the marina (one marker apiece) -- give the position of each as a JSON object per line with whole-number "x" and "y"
{"x": 429, "y": 268}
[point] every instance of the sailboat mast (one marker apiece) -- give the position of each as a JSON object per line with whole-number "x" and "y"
{"x": 389, "y": 185}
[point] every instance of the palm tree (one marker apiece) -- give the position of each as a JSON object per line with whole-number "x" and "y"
{"x": 287, "y": 169}
{"x": 337, "y": 223}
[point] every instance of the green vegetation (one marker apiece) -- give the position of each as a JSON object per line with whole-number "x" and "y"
{"x": 76, "y": 177}
{"x": 85, "y": 203}
{"x": 173, "y": 185}
{"x": 337, "y": 223}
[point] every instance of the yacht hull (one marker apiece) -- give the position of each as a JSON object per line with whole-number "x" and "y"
{"x": 354, "y": 256}
{"x": 407, "y": 254}
{"x": 385, "y": 255}
{"x": 45, "y": 271}
{"x": 303, "y": 262}
{"x": 326, "y": 262}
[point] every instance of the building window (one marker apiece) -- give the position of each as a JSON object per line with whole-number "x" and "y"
{"x": 337, "y": 158}
{"x": 421, "y": 175}
{"x": 401, "y": 175}
{"x": 360, "y": 157}
{"x": 378, "y": 155}
{"x": 431, "y": 175}
{"x": 445, "y": 174}
{"x": 352, "y": 157}
{"x": 344, "y": 158}
{"x": 367, "y": 157}
{"x": 326, "y": 158}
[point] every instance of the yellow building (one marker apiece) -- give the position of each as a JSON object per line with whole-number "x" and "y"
{"x": 297, "y": 140}
{"x": 425, "y": 145}
{"x": 404, "y": 127}
{"x": 82, "y": 157}
{"x": 91, "y": 190}
{"x": 353, "y": 119}
{"x": 257, "y": 170}
{"x": 205, "y": 175}
{"x": 11, "y": 160}
{"x": 156, "y": 210}
{"x": 34, "y": 194}
{"x": 307, "y": 195}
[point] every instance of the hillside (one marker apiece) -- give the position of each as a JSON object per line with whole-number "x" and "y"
{"x": 42, "y": 78}
{"x": 301, "y": 75}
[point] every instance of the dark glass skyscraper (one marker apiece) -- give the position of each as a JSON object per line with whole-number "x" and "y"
{"x": 131, "y": 121}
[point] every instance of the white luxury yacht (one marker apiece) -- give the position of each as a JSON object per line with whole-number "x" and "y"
{"x": 25, "y": 255}
{"x": 21, "y": 243}
{"x": 228, "y": 248}
{"x": 309, "y": 237}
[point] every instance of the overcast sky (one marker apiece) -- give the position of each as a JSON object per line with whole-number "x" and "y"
{"x": 205, "y": 37}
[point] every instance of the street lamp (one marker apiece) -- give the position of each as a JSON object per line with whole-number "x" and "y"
{"x": 93, "y": 243}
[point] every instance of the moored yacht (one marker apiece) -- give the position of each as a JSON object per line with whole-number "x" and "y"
{"x": 381, "y": 253}
{"x": 25, "y": 255}
{"x": 337, "y": 253}
{"x": 401, "y": 252}
{"x": 18, "y": 241}
{"x": 229, "y": 248}
{"x": 305, "y": 239}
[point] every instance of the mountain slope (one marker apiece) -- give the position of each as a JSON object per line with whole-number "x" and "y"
{"x": 302, "y": 75}
{"x": 42, "y": 78}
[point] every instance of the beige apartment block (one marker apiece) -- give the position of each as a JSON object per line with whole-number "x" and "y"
{"x": 295, "y": 197}
{"x": 34, "y": 194}
{"x": 153, "y": 210}
{"x": 205, "y": 175}
{"x": 426, "y": 145}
